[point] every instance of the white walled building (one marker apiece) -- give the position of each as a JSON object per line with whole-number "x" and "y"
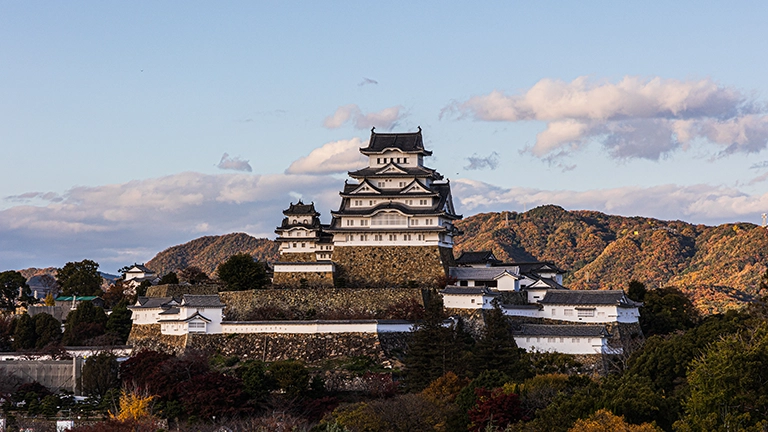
{"x": 468, "y": 297}
{"x": 194, "y": 314}
{"x": 592, "y": 306}
{"x": 302, "y": 232}
{"x": 566, "y": 339}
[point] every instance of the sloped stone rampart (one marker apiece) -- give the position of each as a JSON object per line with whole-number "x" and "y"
{"x": 391, "y": 266}
{"x": 298, "y": 257}
{"x": 148, "y": 337}
{"x": 303, "y": 280}
{"x": 176, "y": 290}
{"x": 342, "y": 302}
{"x": 311, "y": 348}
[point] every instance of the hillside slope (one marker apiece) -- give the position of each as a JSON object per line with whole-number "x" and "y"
{"x": 210, "y": 251}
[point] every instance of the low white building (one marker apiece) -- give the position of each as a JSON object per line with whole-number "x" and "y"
{"x": 502, "y": 278}
{"x": 566, "y": 339}
{"x": 590, "y": 306}
{"x": 457, "y": 297}
{"x": 194, "y": 314}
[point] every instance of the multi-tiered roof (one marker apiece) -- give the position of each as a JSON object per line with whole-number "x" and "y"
{"x": 395, "y": 197}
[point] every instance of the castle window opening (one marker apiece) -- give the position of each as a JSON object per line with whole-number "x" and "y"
{"x": 402, "y": 184}
{"x": 370, "y": 202}
{"x": 583, "y": 313}
{"x": 405, "y": 160}
{"x": 350, "y": 222}
{"x": 303, "y": 245}
{"x": 380, "y": 184}
{"x": 568, "y": 312}
{"x": 364, "y": 222}
{"x": 389, "y": 219}
{"x": 294, "y": 245}
{"x": 305, "y": 221}
{"x": 393, "y": 237}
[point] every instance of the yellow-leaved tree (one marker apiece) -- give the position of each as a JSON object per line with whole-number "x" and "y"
{"x": 134, "y": 406}
{"x": 606, "y": 421}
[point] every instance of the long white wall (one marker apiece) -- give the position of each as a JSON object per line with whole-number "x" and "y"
{"x": 312, "y": 327}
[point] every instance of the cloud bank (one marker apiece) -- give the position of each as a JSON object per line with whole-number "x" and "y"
{"x": 696, "y": 203}
{"x": 634, "y": 118}
{"x": 234, "y": 163}
{"x": 387, "y": 118}
{"x": 333, "y": 157}
{"x": 130, "y": 222}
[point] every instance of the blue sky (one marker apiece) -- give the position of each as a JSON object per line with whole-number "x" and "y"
{"x": 130, "y": 127}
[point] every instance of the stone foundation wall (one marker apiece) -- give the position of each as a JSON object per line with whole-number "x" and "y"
{"x": 326, "y": 303}
{"x": 148, "y": 336}
{"x": 297, "y": 257}
{"x": 391, "y": 266}
{"x": 175, "y": 290}
{"x": 303, "y": 280}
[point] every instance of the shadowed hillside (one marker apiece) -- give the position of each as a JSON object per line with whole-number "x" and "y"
{"x": 210, "y": 251}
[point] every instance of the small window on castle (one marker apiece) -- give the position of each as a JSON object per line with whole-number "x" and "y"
{"x": 290, "y": 233}
{"x": 350, "y": 222}
{"x": 378, "y": 161}
{"x": 402, "y": 184}
{"x": 305, "y": 221}
{"x": 364, "y": 222}
{"x": 294, "y": 245}
{"x": 554, "y": 312}
{"x": 370, "y": 202}
{"x": 380, "y": 184}
{"x": 405, "y": 160}
{"x": 294, "y": 221}
{"x": 398, "y": 160}
{"x": 574, "y": 340}
{"x": 473, "y": 300}
{"x": 303, "y": 245}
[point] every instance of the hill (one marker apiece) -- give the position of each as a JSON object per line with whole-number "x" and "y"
{"x": 210, "y": 251}
{"x": 718, "y": 267}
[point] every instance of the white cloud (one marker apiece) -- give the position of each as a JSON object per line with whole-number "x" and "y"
{"x": 696, "y": 203}
{"x": 634, "y": 118}
{"x": 384, "y": 119}
{"x": 142, "y": 217}
{"x": 333, "y": 157}
{"x": 234, "y": 163}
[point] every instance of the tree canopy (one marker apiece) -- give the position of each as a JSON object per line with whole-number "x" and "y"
{"x": 13, "y": 286}
{"x": 241, "y": 272}
{"x": 80, "y": 278}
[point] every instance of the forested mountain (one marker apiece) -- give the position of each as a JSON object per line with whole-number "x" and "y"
{"x": 210, "y": 251}
{"x": 718, "y": 267}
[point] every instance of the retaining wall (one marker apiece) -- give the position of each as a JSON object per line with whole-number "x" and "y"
{"x": 391, "y": 266}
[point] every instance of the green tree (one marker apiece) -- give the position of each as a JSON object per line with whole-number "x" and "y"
{"x": 13, "y": 286}
{"x": 256, "y": 382}
{"x": 637, "y": 291}
{"x": 47, "y": 330}
{"x": 80, "y": 278}
{"x": 291, "y": 376}
{"x": 169, "y": 279}
{"x": 100, "y": 374}
{"x": 119, "y": 322}
{"x": 434, "y": 349}
{"x": 497, "y": 350}
{"x": 666, "y": 310}
{"x": 24, "y": 337}
{"x": 193, "y": 275}
{"x": 241, "y": 272}
{"x": 729, "y": 385}
{"x": 85, "y": 322}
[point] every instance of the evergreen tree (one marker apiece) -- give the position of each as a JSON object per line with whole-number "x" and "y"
{"x": 24, "y": 336}
{"x": 241, "y": 272}
{"x": 434, "y": 349}
{"x": 13, "y": 286}
{"x": 100, "y": 374}
{"x": 169, "y": 279}
{"x": 80, "y": 278}
{"x": 497, "y": 350}
{"x": 47, "y": 330}
{"x": 85, "y": 322}
{"x": 119, "y": 321}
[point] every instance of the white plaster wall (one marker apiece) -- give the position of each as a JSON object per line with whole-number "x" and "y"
{"x": 507, "y": 283}
{"x": 145, "y": 316}
{"x": 463, "y": 301}
{"x": 565, "y": 345}
{"x": 527, "y": 312}
{"x": 602, "y": 314}
{"x": 536, "y": 294}
{"x": 628, "y": 315}
{"x": 394, "y": 328}
{"x": 300, "y": 328}
{"x": 174, "y": 329}
{"x": 303, "y": 268}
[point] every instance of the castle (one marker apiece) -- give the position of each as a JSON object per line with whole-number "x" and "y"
{"x": 394, "y": 226}
{"x": 394, "y": 230}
